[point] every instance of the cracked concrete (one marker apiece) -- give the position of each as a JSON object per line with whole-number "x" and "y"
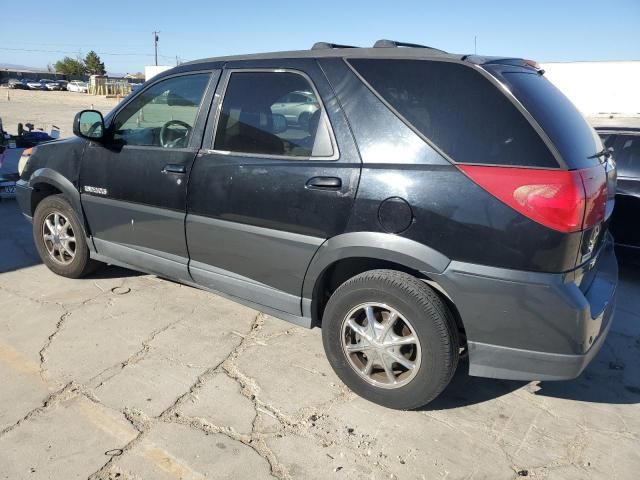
{"x": 127, "y": 376}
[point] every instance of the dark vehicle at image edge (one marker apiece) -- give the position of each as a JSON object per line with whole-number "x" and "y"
{"x": 432, "y": 204}
{"x": 625, "y": 143}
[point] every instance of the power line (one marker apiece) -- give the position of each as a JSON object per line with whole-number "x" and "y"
{"x": 67, "y": 52}
{"x": 57, "y": 44}
{"x": 71, "y": 52}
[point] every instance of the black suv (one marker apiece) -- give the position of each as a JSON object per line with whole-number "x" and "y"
{"x": 428, "y": 205}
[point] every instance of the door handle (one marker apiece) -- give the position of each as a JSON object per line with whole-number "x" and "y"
{"x": 324, "y": 183}
{"x": 174, "y": 168}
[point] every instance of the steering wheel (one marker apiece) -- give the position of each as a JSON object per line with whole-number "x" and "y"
{"x": 165, "y": 130}
{"x": 92, "y": 129}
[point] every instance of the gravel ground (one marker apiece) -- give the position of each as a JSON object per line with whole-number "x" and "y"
{"x": 45, "y": 108}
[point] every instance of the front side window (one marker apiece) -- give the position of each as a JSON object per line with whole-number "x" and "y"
{"x": 163, "y": 115}
{"x": 272, "y": 113}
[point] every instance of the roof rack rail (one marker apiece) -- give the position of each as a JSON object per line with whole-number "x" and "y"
{"x": 327, "y": 46}
{"x": 384, "y": 43}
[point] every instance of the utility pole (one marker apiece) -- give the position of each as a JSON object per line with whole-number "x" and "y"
{"x": 155, "y": 43}
{"x": 475, "y": 44}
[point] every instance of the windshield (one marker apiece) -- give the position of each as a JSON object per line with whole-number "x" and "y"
{"x": 574, "y": 138}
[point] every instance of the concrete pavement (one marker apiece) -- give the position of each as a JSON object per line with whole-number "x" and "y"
{"x": 128, "y": 376}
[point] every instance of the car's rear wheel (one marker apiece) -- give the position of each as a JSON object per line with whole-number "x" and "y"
{"x": 390, "y": 338}
{"x": 60, "y": 239}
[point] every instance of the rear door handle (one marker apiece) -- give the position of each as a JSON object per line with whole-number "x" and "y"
{"x": 174, "y": 168}
{"x": 324, "y": 183}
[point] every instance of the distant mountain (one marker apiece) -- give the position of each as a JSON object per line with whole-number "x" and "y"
{"x": 12, "y": 66}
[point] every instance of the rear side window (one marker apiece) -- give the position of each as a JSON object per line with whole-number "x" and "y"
{"x": 272, "y": 113}
{"x": 457, "y": 109}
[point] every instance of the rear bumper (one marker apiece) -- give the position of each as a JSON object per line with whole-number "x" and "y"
{"x": 532, "y": 326}
{"x": 495, "y": 361}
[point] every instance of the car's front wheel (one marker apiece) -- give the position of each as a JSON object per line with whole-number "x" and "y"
{"x": 390, "y": 338}
{"x": 60, "y": 239}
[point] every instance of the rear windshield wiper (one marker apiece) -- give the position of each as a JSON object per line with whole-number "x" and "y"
{"x": 605, "y": 152}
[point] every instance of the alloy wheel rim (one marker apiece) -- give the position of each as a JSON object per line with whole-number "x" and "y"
{"x": 59, "y": 238}
{"x": 381, "y": 345}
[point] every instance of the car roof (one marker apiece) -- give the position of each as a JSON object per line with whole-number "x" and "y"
{"x": 350, "y": 52}
{"x": 383, "y": 49}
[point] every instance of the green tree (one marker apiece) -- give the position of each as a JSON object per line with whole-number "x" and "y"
{"x": 93, "y": 64}
{"x": 70, "y": 66}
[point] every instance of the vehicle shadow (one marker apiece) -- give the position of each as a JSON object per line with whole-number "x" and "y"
{"x": 465, "y": 390}
{"x": 112, "y": 271}
{"x": 16, "y": 241}
{"x": 19, "y": 251}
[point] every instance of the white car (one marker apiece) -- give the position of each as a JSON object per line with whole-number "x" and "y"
{"x": 78, "y": 86}
{"x": 297, "y": 107}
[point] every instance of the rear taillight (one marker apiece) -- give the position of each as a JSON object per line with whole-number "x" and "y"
{"x": 567, "y": 201}
{"x": 595, "y": 186}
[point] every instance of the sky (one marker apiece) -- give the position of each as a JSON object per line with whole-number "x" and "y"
{"x": 121, "y": 32}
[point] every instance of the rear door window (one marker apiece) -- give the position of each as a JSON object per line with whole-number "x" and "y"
{"x": 458, "y": 110}
{"x": 272, "y": 113}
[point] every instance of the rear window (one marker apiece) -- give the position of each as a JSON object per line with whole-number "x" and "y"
{"x": 574, "y": 138}
{"x": 457, "y": 109}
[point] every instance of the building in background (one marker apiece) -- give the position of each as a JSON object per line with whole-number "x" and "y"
{"x": 151, "y": 71}
{"x": 599, "y": 88}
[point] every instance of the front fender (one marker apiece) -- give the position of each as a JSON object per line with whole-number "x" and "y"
{"x": 47, "y": 176}
{"x": 383, "y": 246}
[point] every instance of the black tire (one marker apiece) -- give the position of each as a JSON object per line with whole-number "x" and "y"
{"x": 81, "y": 264}
{"x": 431, "y": 320}
{"x": 303, "y": 120}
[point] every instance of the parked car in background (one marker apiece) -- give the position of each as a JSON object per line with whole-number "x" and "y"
{"x": 297, "y": 107}
{"x": 28, "y": 82}
{"x": 37, "y": 84}
{"x": 17, "y": 84}
{"x": 78, "y": 86}
{"x": 433, "y": 205}
{"x": 56, "y": 85}
{"x": 625, "y": 221}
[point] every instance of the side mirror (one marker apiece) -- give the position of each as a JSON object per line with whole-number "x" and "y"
{"x": 89, "y": 124}
{"x": 279, "y": 123}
